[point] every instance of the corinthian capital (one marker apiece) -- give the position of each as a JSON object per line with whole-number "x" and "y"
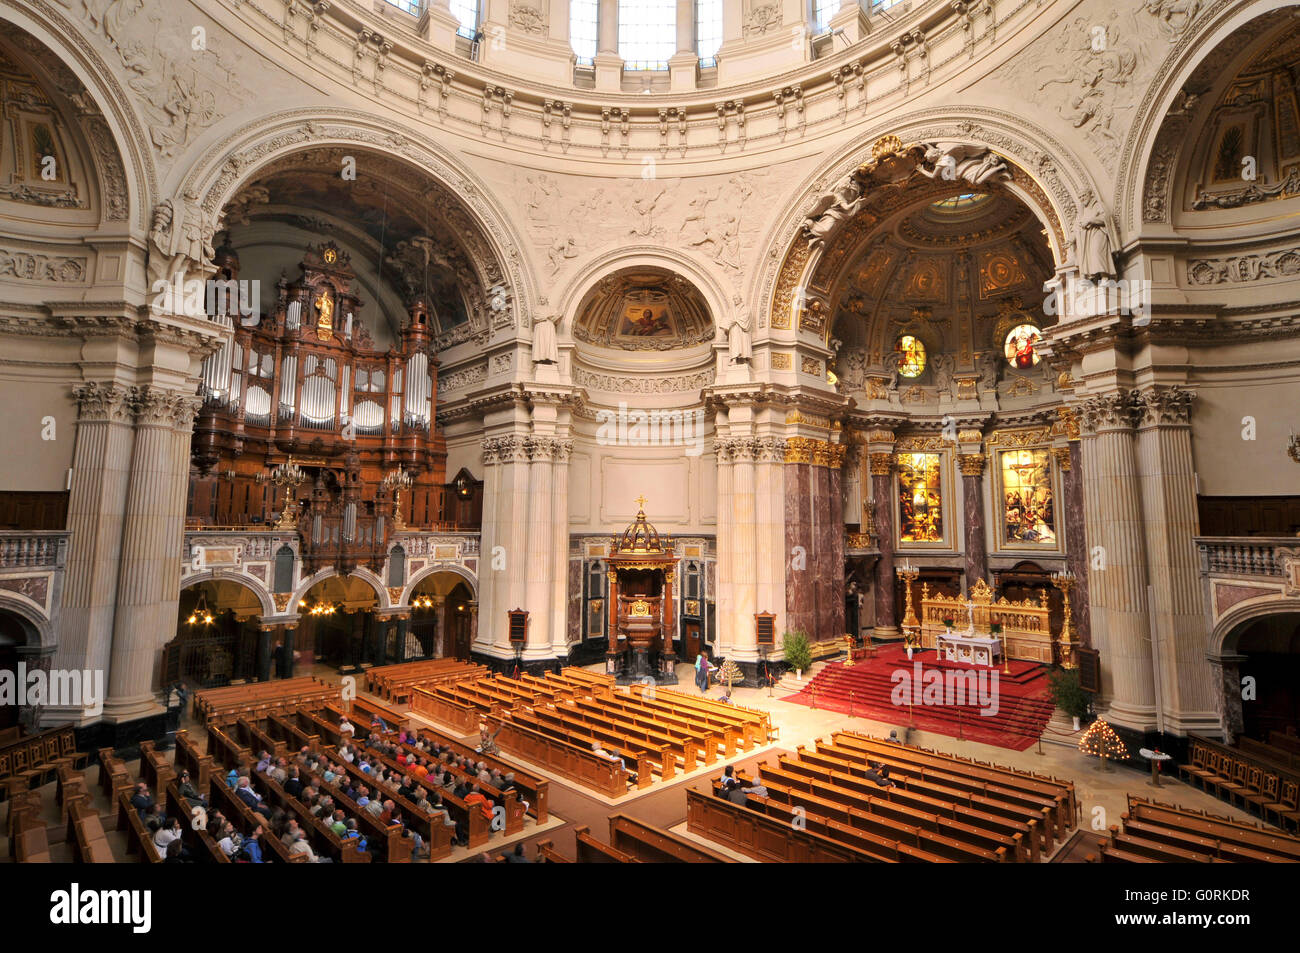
{"x": 1164, "y": 406}
{"x": 1107, "y": 412}
{"x": 881, "y": 464}
{"x": 106, "y": 401}
{"x": 155, "y": 407}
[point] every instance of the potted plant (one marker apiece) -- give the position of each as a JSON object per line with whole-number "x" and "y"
{"x": 1067, "y": 694}
{"x": 798, "y": 653}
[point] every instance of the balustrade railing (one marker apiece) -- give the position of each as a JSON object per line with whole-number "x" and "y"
{"x": 1243, "y": 556}
{"x": 34, "y": 549}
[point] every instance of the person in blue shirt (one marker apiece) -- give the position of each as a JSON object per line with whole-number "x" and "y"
{"x": 253, "y": 846}
{"x": 232, "y": 779}
{"x": 354, "y": 834}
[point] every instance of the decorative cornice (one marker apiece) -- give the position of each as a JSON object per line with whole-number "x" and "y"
{"x": 970, "y": 464}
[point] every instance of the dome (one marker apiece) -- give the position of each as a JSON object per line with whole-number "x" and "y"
{"x": 640, "y": 536}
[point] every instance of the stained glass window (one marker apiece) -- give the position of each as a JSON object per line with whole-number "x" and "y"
{"x": 1021, "y": 346}
{"x": 1028, "y": 507}
{"x": 911, "y": 356}
{"x": 920, "y": 497}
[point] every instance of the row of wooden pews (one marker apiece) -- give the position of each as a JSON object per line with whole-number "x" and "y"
{"x": 827, "y": 805}
{"x": 1154, "y": 833}
{"x": 633, "y": 842}
{"x": 396, "y": 682}
{"x": 33, "y": 761}
{"x": 223, "y": 705}
{"x": 1251, "y": 775}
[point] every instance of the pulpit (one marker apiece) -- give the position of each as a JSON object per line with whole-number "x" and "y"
{"x": 642, "y": 626}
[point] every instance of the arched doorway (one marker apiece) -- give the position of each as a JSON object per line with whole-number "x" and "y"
{"x": 1270, "y": 647}
{"x": 440, "y": 617}
{"x": 15, "y": 634}
{"x": 216, "y": 635}
{"x": 338, "y": 622}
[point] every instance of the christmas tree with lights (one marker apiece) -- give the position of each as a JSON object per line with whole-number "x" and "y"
{"x": 731, "y": 672}
{"x": 1100, "y": 740}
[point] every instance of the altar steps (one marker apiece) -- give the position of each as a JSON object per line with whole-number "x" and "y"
{"x": 867, "y": 690}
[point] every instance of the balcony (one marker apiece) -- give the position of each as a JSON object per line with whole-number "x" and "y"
{"x": 1247, "y": 576}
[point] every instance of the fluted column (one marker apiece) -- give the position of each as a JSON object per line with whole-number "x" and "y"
{"x": 882, "y": 502}
{"x": 1168, "y": 487}
{"x": 769, "y": 499}
{"x": 101, "y": 466}
{"x": 152, "y": 534}
{"x": 972, "y": 479}
{"x": 490, "y": 579}
{"x": 559, "y": 551}
{"x": 541, "y": 540}
{"x": 1118, "y": 596}
{"x": 800, "y": 553}
{"x": 744, "y": 566}
{"x": 724, "y": 601}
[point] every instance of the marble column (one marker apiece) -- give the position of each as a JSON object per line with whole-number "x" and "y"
{"x": 834, "y": 518}
{"x": 744, "y": 564}
{"x": 101, "y": 466}
{"x": 1118, "y": 582}
{"x": 264, "y": 653}
{"x": 559, "y": 550}
{"x": 1072, "y": 524}
{"x": 1168, "y": 489}
{"x": 769, "y": 500}
{"x": 1226, "y": 671}
{"x": 290, "y": 632}
{"x": 490, "y": 579}
{"x": 541, "y": 564}
{"x": 976, "y": 537}
{"x": 724, "y": 600}
{"x": 152, "y": 535}
{"x": 882, "y": 497}
{"x": 800, "y": 546}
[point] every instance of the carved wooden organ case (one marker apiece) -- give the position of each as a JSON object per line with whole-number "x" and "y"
{"x": 303, "y": 385}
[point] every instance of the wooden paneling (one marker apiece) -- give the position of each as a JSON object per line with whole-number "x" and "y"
{"x": 1249, "y": 515}
{"x": 22, "y": 510}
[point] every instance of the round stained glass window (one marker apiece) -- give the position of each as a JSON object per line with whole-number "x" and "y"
{"x": 1021, "y": 346}
{"x": 911, "y": 356}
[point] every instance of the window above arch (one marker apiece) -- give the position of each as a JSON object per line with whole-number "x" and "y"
{"x": 647, "y": 33}
{"x": 583, "y": 19}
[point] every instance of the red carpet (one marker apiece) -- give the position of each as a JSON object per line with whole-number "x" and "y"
{"x": 887, "y": 688}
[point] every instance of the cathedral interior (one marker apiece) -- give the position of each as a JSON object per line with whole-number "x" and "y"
{"x": 544, "y": 335}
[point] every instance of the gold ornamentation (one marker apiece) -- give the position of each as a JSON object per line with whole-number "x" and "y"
{"x": 1022, "y": 387}
{"x": 971, "y": 464}
{"x": 1019, "y": 439}
{"x": 1062, "y": 455}
{"x": 881, "y": 464}
{"x": 811, "y": 420}
{"x": 880, "y": 436}
{"x": 640, "y": 609}
{"x": 692, "y": 607}
{"x": 281, "y": 600}
{"x": 395, "y": 594}
{"x": 811, "y": 366}
{"x": 325, "y": 322}
{"x": 857, "y": 541}
{"x": 782, "y": 362}
{"x": 969, "y": 436}
{"x": 966, "y": 388}
{"x": 920, "y": 442}
{"x": 799, "y": 449}
{"x": 877, "y": 389}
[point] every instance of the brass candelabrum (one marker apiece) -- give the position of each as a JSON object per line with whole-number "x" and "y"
{"x": 397, "y": 481}
{"x": 1065, "y": 582}
{"x": 288, "y": 475}
{"x": 911, "y": 625}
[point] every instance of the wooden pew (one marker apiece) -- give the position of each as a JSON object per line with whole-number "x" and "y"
{"x": 566, "y": 759}
{"x": 757, "y": 835}
{"x": 1263, "y": 843}
{"x": 457, "y": 715}
{"x": 201, "y": 844}
{"x": 155, "y": 770}
{"x": 547, "y": 854}
{"x": 536, "y": 790}
{"x": 86, "y": 836}
{"x": 246, "y": 820}
{"x": 138, "y": 840}
{"x": 654, "y": 845}
{"x": 435, "y": 833}
{"x": 324, "y": 841}
{"x": 189, "y": 758}
{"x": 591, "y": 851}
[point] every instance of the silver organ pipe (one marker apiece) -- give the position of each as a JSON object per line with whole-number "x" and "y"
{"x": 345, "y": 389}
{"x": 288, "y": 383}
{"x": 349, "y": 522}
{"x": 293, "y": 315}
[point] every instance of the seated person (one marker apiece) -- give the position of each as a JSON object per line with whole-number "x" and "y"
{"x": 609, "y": 756}
{"x": 879, "y": 773}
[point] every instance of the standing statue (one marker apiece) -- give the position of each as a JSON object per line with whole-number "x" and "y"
{"x": 990, "y": 371}
{"x": 944, "y": 365}
{"x": 1092, "y": 242}
{"x": 738, "y": 345}
{"x": 892, "y": 363}
{"x": 545, "y": 348}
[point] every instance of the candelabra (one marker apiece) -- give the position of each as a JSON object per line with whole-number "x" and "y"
{"x": 397, "y": 481}
{"x": 911, "y": 625}
{"x": 1065, "y": 582}
{"x": 287, "y": 475}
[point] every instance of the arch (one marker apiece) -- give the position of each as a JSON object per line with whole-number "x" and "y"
{"x": 708, "y": 284}
{"x": 38, "y": 628}
{"x": 221, "y": 171}
{"x": 68, "y": 42}
{"x": 1053, "y": 184}
{"x": 248, "y": 582}
{"x": 1198, "y": 41}
{"x": 365, "y": 575}
{"x": 433, "y": 570}
{"x": 1226, "y": 632}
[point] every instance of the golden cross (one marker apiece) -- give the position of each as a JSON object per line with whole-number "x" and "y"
{"x": 640, "y": 501}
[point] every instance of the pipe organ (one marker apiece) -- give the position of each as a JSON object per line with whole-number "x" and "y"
{"x": 304, "y": 385}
